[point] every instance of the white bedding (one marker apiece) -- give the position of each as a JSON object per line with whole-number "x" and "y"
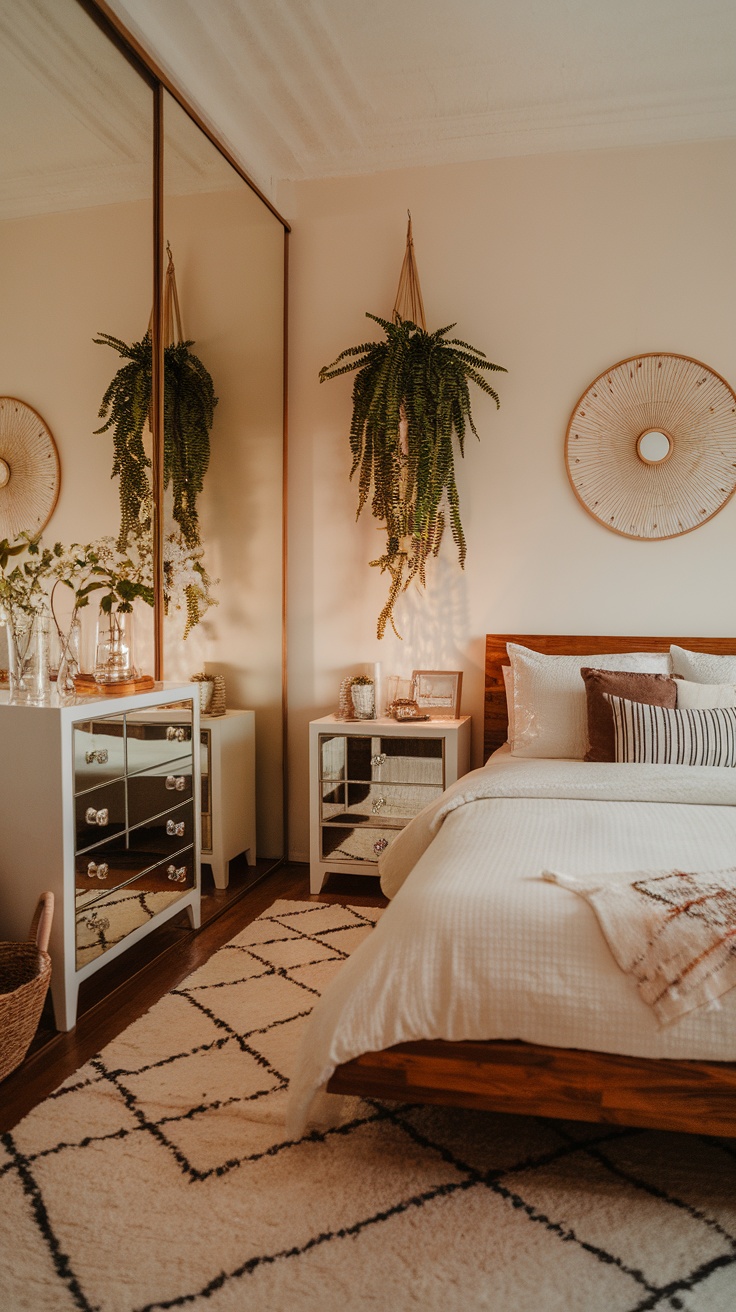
{"x": 476, "y": 946}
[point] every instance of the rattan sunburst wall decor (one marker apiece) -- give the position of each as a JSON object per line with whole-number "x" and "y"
{"x": 29, "y": 469}
{"x": 651, "y": 446}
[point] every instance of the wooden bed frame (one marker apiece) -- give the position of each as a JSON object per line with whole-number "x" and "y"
{"x": 498, "y": 1075}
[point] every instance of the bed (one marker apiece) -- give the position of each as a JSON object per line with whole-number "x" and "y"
{"x": 589, "y": 1049}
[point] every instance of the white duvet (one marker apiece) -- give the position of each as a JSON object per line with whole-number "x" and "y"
{"x": 476, "y": 946}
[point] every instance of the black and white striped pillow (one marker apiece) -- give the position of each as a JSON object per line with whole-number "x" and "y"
{"x": 656, "y": 735}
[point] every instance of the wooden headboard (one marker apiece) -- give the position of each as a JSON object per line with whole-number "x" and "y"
{"x": 495, "y": 719}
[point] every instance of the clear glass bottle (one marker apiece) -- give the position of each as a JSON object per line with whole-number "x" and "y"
{"x": 114, "y": 661}
{"x": 70, "y": 645}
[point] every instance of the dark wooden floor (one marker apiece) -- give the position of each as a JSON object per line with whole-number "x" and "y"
{"x": 122, "y": 991}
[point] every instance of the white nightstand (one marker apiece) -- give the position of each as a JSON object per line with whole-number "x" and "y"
{"x": 368, "y": 778}
{"x": 228, "y": 765}
{"x": 228, "y": 756}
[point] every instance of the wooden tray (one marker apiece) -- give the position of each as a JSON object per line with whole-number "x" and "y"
{"x": 85, "y": 685}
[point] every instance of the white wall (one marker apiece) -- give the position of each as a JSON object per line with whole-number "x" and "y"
{"x": 556, "y": 267}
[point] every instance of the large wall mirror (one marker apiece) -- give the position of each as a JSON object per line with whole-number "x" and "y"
{"x": 227, "y": 250}
{"x": 100, "y": 169}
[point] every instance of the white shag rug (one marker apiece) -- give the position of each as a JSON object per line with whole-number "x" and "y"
{"x": 159, "y": 1176}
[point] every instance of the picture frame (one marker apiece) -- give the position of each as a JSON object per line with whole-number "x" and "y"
{"x": 438, "y": 692}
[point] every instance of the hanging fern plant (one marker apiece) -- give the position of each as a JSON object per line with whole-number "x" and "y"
{"x": 126, "y": 407}
{"x": 189, "y": 408}
{"x": 189, "y": 404}
{"x": 411, "y": 396}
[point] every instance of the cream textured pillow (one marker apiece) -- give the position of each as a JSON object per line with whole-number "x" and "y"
{"x": 508, "y": 683}
{"x": 697, "y": 696}
{"x": 703, "y": 666}
{"x": 550, "y": 715}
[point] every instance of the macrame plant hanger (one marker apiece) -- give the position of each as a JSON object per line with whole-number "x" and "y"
{"x": 173, "y": 331}
{"x": 409, "y": 304}
{"x": 172, "y": 325}
{"x": 409, "y": 308}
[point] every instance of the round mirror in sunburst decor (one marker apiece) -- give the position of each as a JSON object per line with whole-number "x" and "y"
{"x": 651, "y": 446}
{"x": 29, "y": 469}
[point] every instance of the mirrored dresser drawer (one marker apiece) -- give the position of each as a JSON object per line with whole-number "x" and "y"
{"x": 105, "y": 923}
{"x": 99, "y": 813}
{"x": 99, "y": 751}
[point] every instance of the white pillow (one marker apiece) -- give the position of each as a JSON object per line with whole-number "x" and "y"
{"x": 702, "y": 666}
{"x": 508, "y": 683}
{"x": 697, "y": 696}
{"x": 550, "y": 715}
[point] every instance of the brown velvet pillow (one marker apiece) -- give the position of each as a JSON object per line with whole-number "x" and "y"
{"x": 652, "y": 689}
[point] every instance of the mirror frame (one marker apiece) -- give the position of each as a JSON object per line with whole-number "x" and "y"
{"x": 113, "y": 27}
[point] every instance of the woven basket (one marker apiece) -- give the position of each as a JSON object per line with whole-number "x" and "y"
{"x": 25, "y": 971}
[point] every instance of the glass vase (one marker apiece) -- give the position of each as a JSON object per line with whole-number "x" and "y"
{"x": 19, "y": 629}
{"x": 70, "y": 646}
{"x": 28, "y": 659}
{"x": 114, "y": 661}
{"x": 40, "y": 659}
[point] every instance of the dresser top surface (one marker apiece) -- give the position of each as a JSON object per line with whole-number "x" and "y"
{"x": 81, "y": 708}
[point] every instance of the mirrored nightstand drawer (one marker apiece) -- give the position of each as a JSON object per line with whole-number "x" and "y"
{"x": 358, "y": 843}
{"x": 376, "y": 803}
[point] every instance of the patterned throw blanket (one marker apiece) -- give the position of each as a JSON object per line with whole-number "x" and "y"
{"x": 673, "y": 930}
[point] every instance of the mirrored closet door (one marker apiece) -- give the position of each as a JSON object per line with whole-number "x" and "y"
{"x": 76, "y": 256}
{"x": 227, "y": 252}
{"x": 102, "y": 168}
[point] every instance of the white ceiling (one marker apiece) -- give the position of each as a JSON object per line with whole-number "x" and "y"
{"x": 76, "y": 119}
{"x": 318, "y": 88}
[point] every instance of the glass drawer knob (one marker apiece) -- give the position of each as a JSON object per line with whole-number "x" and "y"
{"x": 94, "y": 817}
{"x": 176, "y": 782}
{"x": 177, "y": 874}
{"x": 175, "y": 829}
{"x": 99, "y": 755}
{"x": 100, "y": 871}
{"x": 378, "y": 805}
{"x": 380, "y": 846}
{"x": 175, "y": 735}
{"x": 378, "y": 760}
{"x": 95, "y": 923}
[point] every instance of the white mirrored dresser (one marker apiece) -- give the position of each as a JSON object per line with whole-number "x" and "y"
{"x": 99, "y": 804}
